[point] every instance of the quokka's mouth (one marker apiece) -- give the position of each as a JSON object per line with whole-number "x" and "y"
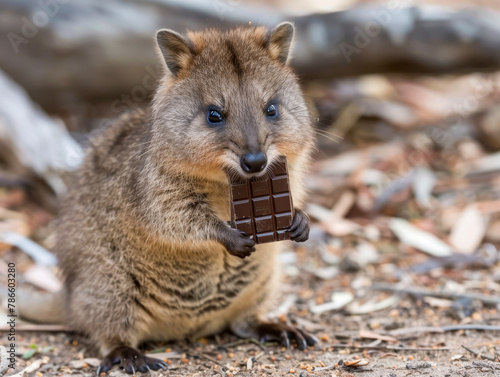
{"x": 236, "y": 170}
{"x": 243, "y": 175}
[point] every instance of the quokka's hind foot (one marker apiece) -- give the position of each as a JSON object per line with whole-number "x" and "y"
{"x": 131, "y": 360}
{"x": 285, "y": 334}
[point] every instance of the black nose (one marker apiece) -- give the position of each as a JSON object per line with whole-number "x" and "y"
{"x": 253, "y": 162}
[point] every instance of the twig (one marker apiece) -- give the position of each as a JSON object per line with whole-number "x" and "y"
{"x": 478, "y": 354}
{"x": 259, "y": 355}
{"x": 483, "y": 364}
{"x": 335, "y": 366}
{"x": 471, "y": 327}
{"x": 387, "y": 348}
{"x": 424, "y": 329}
{"x": 245, "y": 341}
{"x": 205, "y": 357}
{"x": 321, "y": 369}
{"x": 490, "y": 300}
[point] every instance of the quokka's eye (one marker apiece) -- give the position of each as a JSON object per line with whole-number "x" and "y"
{"x": 214, "y": 117}
{"x": 272, "y": 111}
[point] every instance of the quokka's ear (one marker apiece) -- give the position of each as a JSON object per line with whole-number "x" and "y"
{"x": 280, "y": 41}
{"x": 176, "y": 49}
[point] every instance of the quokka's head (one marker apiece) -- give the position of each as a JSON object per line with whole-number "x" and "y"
{"x": 229, "y": 101}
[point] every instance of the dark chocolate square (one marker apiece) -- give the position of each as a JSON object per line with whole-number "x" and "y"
{"x": 242, "y": 210}
{"x": 279, "y": 168}
{"x": 280, "y": 184}
{"x": 245, "y": 226}
{"x": 264, "y": 224}
{"x": 260, "y": 188}
{"x": 282, "y": 235}
{"x": 283, "y": 220}
{"x": 282, "y": 203}
{"x": 261, "y": 206}
{"x": 265, "y": 237}
{"x": 239, "y": 191}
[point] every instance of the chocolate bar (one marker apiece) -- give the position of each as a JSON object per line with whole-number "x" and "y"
{"x": 262, "y": 206}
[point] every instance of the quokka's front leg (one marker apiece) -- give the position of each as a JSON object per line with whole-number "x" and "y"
{"x": 299, "y": 230}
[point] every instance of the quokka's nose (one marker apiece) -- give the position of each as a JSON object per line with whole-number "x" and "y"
{"x": 254, "y": 162}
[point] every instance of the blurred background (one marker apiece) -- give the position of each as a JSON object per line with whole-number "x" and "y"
{"x": 402, "y": 266}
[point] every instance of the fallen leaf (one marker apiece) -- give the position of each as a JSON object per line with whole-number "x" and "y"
{"x": 469, "y": 230}
{"x": 372, "y": 306}
{"x": 43, "y": 277}
{"x": 32, "y": 367}
{"x": 371, "y": 335}
{"x": 356, "y": 362}
{"x": 38, "y": 253}
{"x": 418, "y": 238}
{"x": 339, "y": 301}
{"x": 489, "y": 163}
{"x": 29, "y": 353}
{"x": 77, "y": 364}
{"x": 423, "y": 184}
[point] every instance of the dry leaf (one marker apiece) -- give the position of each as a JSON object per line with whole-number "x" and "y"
{"x": 38, "y": 253}
{"x": 43, "y": 277}
{"x": 356, "y": 362}
{"x": 339, "y": 301}
{"x": 469, "y": 230}
{"x": 423, "y": 184}
{"x": 419, "y": 239}
{"x": 372, "y": 306}
{"x": 371, "y": 335}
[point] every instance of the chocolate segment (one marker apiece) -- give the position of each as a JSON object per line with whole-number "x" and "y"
{"x": 262, "y": 206}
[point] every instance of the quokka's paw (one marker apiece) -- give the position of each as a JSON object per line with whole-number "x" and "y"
{"x": 239, "y": 244}
{"x": 285, "y": 334}
{"x": 299, "y": 230}
{"x": 131, "y": 360}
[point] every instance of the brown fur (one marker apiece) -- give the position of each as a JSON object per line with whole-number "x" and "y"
{"x": 140, "y": 232}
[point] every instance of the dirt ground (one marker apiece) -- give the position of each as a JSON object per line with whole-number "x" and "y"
{"x": 276, "y": 362}
{"x": 393, "y": 341}
{"x": 402, "y": 269}
{"x": 225, "y": 355}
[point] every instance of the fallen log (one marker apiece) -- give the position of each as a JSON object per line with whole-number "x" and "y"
{"x": 35, "y": 150}
{"x": 76, "y": 52}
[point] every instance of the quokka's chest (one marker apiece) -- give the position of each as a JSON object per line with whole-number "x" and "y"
{"x": 196, "y": 299}
{"x": 197, "y": 287}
